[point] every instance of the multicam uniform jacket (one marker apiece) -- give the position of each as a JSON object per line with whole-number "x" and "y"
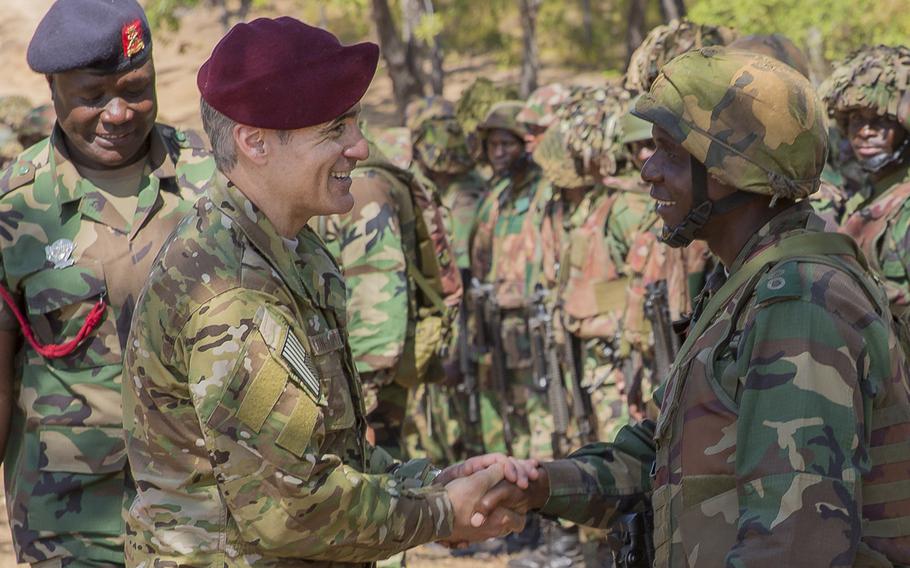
{"x": 63, "y": 247}
{"x": 881, "y": 226}
{"x": 782, "y": 437}
{"x": 244, "y": 412}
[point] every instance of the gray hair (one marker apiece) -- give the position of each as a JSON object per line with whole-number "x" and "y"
{"x": 220, "y": 130}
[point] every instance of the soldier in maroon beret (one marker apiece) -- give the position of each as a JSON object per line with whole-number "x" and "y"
{"x": 248, "y": 439}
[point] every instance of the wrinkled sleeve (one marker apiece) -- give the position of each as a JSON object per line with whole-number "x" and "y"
{"x": 8, "y": 321}
{"x": 600, "y": 481}
{"x": 272, "y": 432}
{"x": 372, "y": 255}
{"x": 801, "y": 443}
{"x": 895, "y": 263}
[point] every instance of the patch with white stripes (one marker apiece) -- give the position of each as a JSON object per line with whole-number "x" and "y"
{"x": 302, "y": 364}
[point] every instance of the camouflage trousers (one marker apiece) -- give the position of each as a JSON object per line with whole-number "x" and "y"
{"x": 437, "y": 426}
{"x": 386, "y": 406}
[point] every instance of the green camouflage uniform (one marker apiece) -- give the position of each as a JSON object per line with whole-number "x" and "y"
{"x": 441, "y": 425}
{"x": 585, "y": 246}
{"x": 780, "y": 438}
{"x": 64, "y": 246}
{"x": 879, "y": 219}
{"x": 246, "y": 418}
{"x": 506, "y": 254}
{"x": 379, "y": 247}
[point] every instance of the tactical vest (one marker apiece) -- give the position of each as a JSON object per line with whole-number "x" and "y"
{"x": 434, "y": 282}
{"x": 695, "y": 499}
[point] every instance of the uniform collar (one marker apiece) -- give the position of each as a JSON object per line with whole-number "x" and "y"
{"x": 71, "y": 186}
{"x": 798, "y": 218}
{"x": 308, "y": 271}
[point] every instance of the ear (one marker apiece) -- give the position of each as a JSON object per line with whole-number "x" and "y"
{"x": 250, "y": 143}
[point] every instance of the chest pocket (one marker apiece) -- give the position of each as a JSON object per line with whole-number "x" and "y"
{"x": 57, "y": 302}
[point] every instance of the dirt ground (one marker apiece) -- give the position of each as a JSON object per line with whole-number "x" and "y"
{"x": 177, "y": 58}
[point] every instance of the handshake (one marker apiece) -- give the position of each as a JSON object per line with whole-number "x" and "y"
{"x": 491, "y": 494}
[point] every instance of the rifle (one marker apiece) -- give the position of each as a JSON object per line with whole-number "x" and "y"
{"x": 466, "y": 363}
{"x": 547, "y": 372}
{"x": 582, "y": 408}
{"x": 666, "y": 342}
{"x": 632, "y": 541}
{"x": 489, "y": 325}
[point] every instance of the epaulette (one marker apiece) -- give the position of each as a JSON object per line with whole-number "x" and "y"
{"x": 19, "y": 173}
{"x": 781, "y": 283}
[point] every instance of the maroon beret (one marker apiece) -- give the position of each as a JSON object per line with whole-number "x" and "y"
{"x": 283, "y": 74}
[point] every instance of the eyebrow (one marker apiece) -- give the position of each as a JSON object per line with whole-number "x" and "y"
{"x": 352, "y": 112}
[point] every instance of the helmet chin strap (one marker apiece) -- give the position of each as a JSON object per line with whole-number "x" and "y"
{"x": 702, "y": 208}
{"x": 878, "y": 163}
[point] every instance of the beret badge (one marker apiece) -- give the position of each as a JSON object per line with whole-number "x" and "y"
{"x": 132, "y": 38}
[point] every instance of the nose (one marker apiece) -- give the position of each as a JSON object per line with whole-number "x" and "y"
{"x": 650, "y": 173}
{"x": 117, "y": 111}
{"x": 359, "y": 150}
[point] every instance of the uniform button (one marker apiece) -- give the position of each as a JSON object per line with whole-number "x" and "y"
{"x": 23, "y": 170}
{"x": 180, "y": 136}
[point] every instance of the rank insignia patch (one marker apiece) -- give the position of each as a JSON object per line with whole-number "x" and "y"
{"x": 300, "y": 361}
{"x": 132, "y": 38}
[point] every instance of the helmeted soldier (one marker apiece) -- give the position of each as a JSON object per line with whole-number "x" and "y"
{"x": 540, "y": 111}
{"x": 774, "y": 443}
{"x": 864, "y": 96}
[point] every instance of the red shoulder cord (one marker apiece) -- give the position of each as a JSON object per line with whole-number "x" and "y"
{"x": 59, "y": 350}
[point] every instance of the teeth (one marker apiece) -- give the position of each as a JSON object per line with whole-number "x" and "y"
{"x": 341, "y": 175}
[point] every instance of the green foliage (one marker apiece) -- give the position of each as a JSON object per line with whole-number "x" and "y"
{"x": 843, "y": 25}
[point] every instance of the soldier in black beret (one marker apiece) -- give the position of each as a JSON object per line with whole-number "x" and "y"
{"x": 84, "y": 213}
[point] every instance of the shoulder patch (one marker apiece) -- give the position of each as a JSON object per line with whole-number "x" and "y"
{"x": 302, "y": 364}
{"x": 18, "y": 174}
{"x": 782, "y": 282}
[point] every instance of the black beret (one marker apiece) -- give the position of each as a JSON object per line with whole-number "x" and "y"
{"x": 284, "y": 74}
{"x": 107, "y": 36}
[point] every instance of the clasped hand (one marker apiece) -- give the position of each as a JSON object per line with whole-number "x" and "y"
{"x": 489, "y": 495}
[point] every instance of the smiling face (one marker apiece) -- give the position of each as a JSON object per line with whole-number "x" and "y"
{"x": 873, "y": 136}
{"x": 309, "y": 170}
{"x": 106, "y": 118}
{"x": 668, "y": 172}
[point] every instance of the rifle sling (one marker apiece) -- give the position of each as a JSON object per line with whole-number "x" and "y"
{"x": 806, "y": 244}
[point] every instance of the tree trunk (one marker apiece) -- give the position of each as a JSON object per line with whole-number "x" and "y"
{"x": 635, "y": 33}
{"x": 406, "y": 83}
{"x": 437, "y": 74}
{"x": 531, "y": 62}
{"x": 673, "y": 9}
{"x": 587, "y": 22}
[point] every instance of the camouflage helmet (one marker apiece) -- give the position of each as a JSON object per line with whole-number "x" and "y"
{"x": 13, "y": 110}
{"x": 477, "y": 100}
{"x": 755, "y": 123}
{"x": 542, "y": 105}
{"x": 37, "y": 125}
{"x": 559, "y": 164}
{"x": 503, "y": 116}
{"x": 438, "y": 141}
{"x": 778, "y": 46}
{"x": 633, "y": 128}
{"x": 870, "y": 78}
{"x": 590, "y": 123}
{"x": 663, "y": 43}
